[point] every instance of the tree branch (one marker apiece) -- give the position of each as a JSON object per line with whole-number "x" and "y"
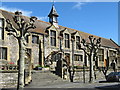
{"x": 11, "y": 26}
{"x": 30, "y": 26}
{"x": 27, "y": 34}
{"x": 85, "y": 51}
{"x": 12, "y": 34}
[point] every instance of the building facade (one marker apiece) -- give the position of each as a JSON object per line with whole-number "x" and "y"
{"x": 48, "y": 39}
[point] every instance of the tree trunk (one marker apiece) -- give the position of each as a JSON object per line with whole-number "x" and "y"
{"x": 91, "y": 78}
{"x": 21, "y": 64}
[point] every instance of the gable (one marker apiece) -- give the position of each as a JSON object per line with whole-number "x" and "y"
{"x": 66, "y": 31}
{"x": 52, "y": 27}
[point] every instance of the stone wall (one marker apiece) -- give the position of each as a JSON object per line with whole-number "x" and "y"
{"x": 35, "y": 54}
{"x": 8, "y": 79}
{"x": 79, "y": 77}
{"x": 13, "y": 49}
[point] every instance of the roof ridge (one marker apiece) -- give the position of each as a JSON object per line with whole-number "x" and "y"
{"x": 82, "y": 32}
{"x": 6, "y": 11}
{"x": 23, "y": 15}
{"x": 59, "y": 25}
{"x": 114, "y": 42}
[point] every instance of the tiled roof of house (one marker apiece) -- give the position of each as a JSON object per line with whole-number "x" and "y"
{"x": 42, "y": 25}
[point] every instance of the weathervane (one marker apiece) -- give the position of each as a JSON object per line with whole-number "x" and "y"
{"x": 53, "y": 1}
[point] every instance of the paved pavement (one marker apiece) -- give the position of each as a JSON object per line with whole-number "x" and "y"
{"x": 49, "y": 80}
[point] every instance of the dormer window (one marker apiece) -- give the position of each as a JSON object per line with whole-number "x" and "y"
{"x": 67, "y": 41}
{"x": 35, "y": 39}
{"x": 53, "y": 38}
{"x": 1, "y": 29}
{"x": 77, "y": 42}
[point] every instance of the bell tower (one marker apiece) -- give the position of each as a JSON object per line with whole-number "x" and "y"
{"x": 53, "y": 17}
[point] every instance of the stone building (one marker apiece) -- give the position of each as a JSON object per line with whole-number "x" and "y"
{"x": 48, "y": 38}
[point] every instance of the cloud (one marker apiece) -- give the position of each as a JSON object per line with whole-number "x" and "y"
{"x": 44, "y": 18}
{"x": 24, "y": 12}
{"x": 78, "y": 5}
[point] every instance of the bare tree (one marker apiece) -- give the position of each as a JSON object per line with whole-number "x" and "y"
{"x": 20, "y": 34}
{"x": 104, "y": 70}
{"x": 91, "y": 49}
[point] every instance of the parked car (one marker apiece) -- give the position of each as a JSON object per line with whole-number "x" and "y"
{"x": 38, "y": 68}
{"x": 113, "y": 77}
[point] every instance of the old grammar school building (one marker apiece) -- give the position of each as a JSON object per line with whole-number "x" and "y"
{"x": 46, "y": 41}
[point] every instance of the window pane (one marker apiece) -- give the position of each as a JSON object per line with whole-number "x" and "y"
{"x": 3, "y": 53}
{"x": 77, "y": 38}
{"x": 77, "y": 42}
{"x": 0, "y": 53}
{"x": 112, "y": 55}
{"x": 1, "y": 23}
{"x": 51, "y": 33}
{"x": 1, "y": 34}
{"x": 53, "y": 38}
{"x": 67, "y": 41}
{"x": 101, "y": 54}
{"x": 54, "y": 41}
{"x": 78, "y": 57}
{"x": 35, "y": 39}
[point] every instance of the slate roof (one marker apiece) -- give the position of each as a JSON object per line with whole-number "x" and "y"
{"x": 42, "y": 25}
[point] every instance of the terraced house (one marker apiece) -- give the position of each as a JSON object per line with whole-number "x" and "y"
{"x": 48, "y": 38}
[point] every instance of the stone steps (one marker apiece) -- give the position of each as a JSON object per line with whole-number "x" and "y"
{"x": 45, "y": 78}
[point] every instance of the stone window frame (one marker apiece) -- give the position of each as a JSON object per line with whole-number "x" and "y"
{"x": 67, "y": 40}
{"x": 37, "y": 41}
{"x": 78, "y": 56}
{"x": 77, "y": 43}
{"x": 112, "y": 55}
{"x": 6, "y": 52}
{"x": 2, "y": 29}
{"x": 101, "y": 54}
{"x": 53, "y": 38}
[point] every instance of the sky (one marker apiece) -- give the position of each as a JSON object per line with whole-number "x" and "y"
{"x": 97, "y": 18}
